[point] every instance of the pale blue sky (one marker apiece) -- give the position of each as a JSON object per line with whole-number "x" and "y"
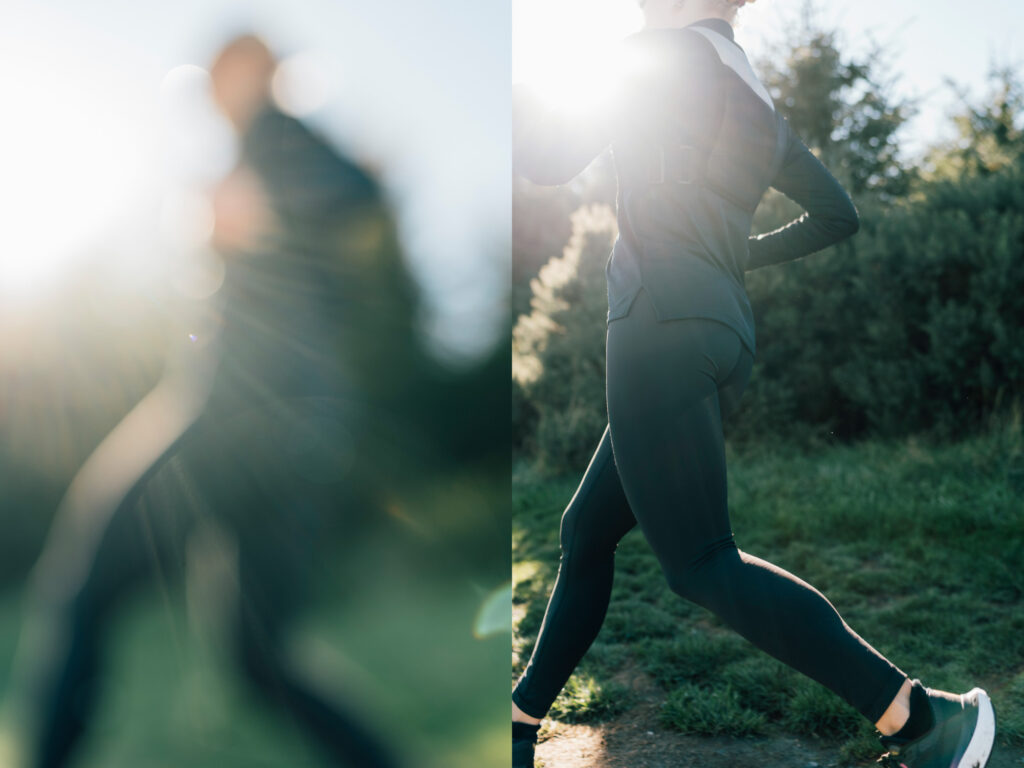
{"x": 931, "y": 41}
{"x": 419, "y": 89}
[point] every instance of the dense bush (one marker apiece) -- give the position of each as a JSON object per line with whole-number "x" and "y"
{"x": 912, "y": 327}
{"x": 558, "y": 404}
{"x": 541, "y": 223}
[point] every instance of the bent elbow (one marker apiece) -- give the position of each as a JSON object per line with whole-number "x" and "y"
{"x": 853, "y": 224}
{"x": 848, "y": 222}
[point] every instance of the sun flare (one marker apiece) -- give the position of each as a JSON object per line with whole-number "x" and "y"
{"x": 83, "y": 149}
{"x": 564, "y": 49}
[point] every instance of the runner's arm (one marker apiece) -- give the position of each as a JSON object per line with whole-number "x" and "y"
{"x": 551, "y": 147}
{"x": 830, "y": 215}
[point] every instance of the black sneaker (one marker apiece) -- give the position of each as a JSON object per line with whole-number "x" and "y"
{"x": 962, "y": 736}
{"x": 524, "y": 738}
{"x": 522, "y": 753}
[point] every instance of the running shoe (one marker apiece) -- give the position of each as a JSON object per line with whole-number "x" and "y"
{"x": 962, "y": 736}
{"x": 522, "y": 753}
{"x": 524, "y": 738}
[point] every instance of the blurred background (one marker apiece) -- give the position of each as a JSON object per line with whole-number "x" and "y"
{"x": 123, "y": 215}
{"x": 886, "y": 397}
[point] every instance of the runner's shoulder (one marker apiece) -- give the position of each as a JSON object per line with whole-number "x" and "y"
{"x": 670, "y": 48}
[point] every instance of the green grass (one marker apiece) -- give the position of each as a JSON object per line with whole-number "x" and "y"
{"x": 920, "y": 548}
{"x": 715, "y": 712}
{"x": 392, "y": 635}
{"x": 585, "y": 700}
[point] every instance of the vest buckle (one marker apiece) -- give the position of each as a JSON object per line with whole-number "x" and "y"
{"x": 678, "y": 164}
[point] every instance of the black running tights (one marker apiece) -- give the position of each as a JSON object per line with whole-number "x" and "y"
{"x": 669, "y": 384}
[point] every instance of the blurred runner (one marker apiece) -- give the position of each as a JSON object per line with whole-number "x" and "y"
{"x": 252, "y": 431}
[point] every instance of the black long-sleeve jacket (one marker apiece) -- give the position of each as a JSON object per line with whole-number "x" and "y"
{"x": 697, "y": 141}
{"x": 318, "y": 306}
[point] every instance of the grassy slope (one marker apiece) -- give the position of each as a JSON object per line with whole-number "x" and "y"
{"x": 393, "y": 636}
{"x": 174, "y": 700}
{"x": 921, "y": 549}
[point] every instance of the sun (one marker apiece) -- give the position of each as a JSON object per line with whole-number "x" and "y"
{"x": 68, "y": 156}
{"x": 565, "y": 49}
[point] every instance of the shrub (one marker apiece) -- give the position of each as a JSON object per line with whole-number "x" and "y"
{"x": 558, "y": 349}
{"x": 912, "y": 327}
{"x": 909, "y": 328}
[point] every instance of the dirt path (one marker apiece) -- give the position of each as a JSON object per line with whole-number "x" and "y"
{"x": 626, "y": 743}
{"x": 636, "y": 740}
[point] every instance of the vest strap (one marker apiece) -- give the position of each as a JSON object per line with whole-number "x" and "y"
{"x": 677, "y": 164}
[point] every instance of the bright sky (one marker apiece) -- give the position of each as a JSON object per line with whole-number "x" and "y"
{"x": 931, "y": 41}
{"x": 93, "y": 124}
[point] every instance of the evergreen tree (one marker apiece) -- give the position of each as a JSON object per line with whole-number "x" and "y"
{"x": 558, "y": 349}
{"x": 840, "y": 106}
{"x": 540, "y": 221}
{"x": 990, "y": 131}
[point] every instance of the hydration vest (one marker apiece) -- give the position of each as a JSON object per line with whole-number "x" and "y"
{"x": 712, "y": 126}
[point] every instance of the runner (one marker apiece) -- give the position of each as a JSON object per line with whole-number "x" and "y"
{"x": 697, "y": 141}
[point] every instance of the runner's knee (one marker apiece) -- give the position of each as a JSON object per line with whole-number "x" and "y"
{"x": 705, "y": 579}
{"x": 580, "y": 544}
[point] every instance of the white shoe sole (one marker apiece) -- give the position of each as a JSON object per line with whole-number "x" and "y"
{"x": 980, "y": 747}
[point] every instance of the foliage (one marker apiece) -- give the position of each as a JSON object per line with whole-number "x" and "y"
{"x": 540, "y": 221}
{"x": 990, "y": 131}
{"x": 909, "y": 328}
{"x": 540, "y": 229}
{"x": 558, "y": 349}
{"x": 912, "y": 328}
{"x": 841, "y": 106}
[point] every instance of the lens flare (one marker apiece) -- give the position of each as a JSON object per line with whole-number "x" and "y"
{"x": 565, "y": 51}
{"x": 301, "y": 84}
